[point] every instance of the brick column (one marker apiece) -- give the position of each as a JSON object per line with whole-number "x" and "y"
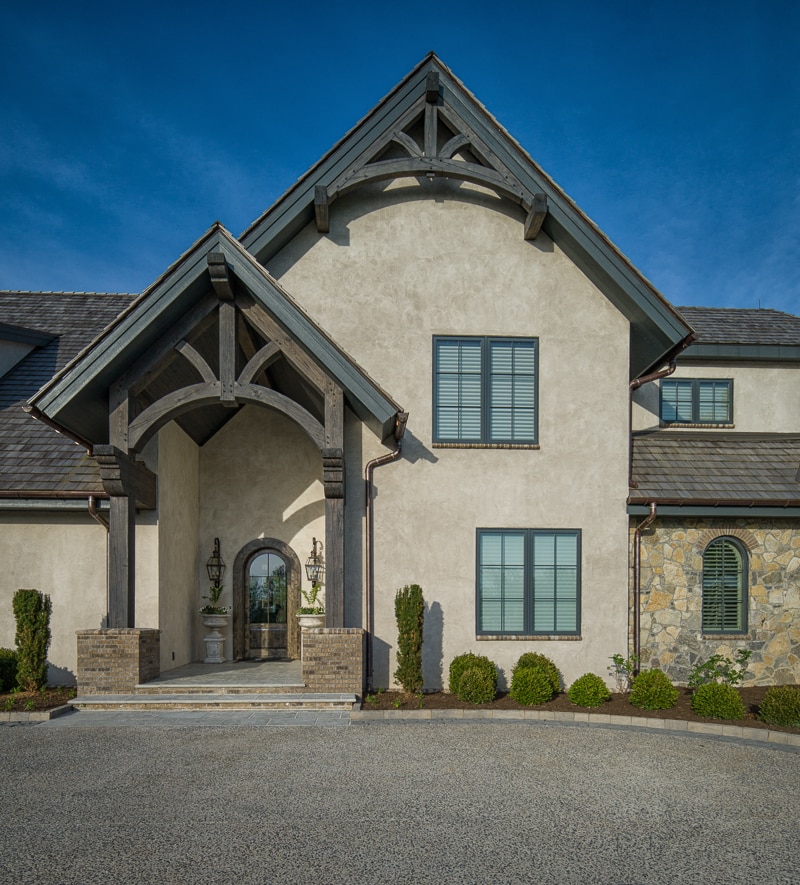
{"x": 333, "y": 660}
{"x": 115, "y": 661}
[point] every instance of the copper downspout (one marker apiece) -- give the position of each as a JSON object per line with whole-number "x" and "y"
{"x": 637, "y": 579}
{"x": 635, "y": 385}
{"x": 95, "y": 513}
{"x": 399, "y": 429}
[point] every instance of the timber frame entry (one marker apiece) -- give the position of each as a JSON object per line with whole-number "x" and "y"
{"x": 220, "y": 353}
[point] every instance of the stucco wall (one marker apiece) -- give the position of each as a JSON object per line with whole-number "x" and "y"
{"x": 431, "y": 258}
{"x": 63, "y": 555}
{"x": 260, "y": 477}
{"x": 671, "y": 599}
{"x": 765, "y": 396}
{"x": 178, "y": 526}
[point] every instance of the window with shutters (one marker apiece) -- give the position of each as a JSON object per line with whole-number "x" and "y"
{"x": 725, "y": 587}
{"x": 528, "y": 582}
{"x": 696, "y": 401}
{"x": 484, "y": 390}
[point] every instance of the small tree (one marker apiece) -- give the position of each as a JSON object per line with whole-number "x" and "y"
{"x": 32, "y": 613}
{"x": 409, "y": 610}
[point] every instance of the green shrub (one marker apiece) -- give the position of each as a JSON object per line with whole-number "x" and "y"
{"x": 409, "y": 611}
{"x": 8, "y": 669}
{"x": 718, "y": 701}
{"x": 531, "y": 685}
{"x": 540, "y": 662}
{"x": 477, "y": 685}
{"x": 623, "y": 670}
{"x": 781, "y": 706}
{"x": 32, "y": 612}
{"x": 652, "y": 690}
{"x": 466, "y": 661}
{"x": 718, "y": 668}
{"x": 589, "y": 690}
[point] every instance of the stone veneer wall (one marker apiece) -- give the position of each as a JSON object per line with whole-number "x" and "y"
{"x": 671, "y": 597}
{"x": 114, "y": 661}
{"x": 333, "y": 659}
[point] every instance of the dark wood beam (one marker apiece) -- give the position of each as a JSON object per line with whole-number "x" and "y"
{"x": 121, "y": 562}
{"x": 407, "y": 143}
{"x": 249, "y": 348}
{"x": 537, "y": 215}
{"x": 220, "y": 275}
{"x": 227, "y": 352}
{"x": 122, "y": 476}
{"x": 432, "y": 87}
{"x": 321, "y": 209}
{"x": 259, "y": 361}
{"x": 188, "y": 352}
{"x": 431, "y": 129}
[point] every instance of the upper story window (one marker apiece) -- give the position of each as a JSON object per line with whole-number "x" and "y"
{"x": 724, "y": 587}
{"x": 696, "y": 401}
{"x": 485, "y": 390}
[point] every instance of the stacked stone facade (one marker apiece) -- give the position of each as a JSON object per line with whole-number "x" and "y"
{"x": 115, "y": 661}
{"x": 333, "y": 660}
{"x": 671, "y": 597}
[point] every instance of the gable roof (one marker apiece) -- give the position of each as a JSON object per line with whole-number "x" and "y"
{"x": 34, "y": 459}
{"x": 656, "y": 328}
{"x": 77, "y": 396}
{"x": 716, "y": 469}
{"x": 742, "y": 333}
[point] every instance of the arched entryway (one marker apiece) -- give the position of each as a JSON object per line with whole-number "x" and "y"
{"x": 266, "y": 594}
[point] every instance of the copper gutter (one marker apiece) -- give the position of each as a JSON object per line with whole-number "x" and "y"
{"x": 369, "y": 613}
{"x": 637, "y": 580}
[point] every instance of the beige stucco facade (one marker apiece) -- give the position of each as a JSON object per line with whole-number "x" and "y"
{"x": 401, "y": 266}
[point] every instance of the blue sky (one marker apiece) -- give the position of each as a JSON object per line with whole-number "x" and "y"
{"x": 127, "y": 129}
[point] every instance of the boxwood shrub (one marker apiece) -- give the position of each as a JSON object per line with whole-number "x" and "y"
{"x": 652, "y": 690}
{"x": 531, "y": 685}
{"x": 781, "y": 706}
{"x": 532, "y": 659}
{"x": 589, "y": 690}
{"x": 477, "y": 685}
{"x": 8, "y": 669}
{"x": 460, "y": 664}
{"x": 718, "y": 701}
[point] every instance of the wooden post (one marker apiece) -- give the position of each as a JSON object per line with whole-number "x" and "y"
{"x": 333, "y": 477}
{"x": 122, "y": 562}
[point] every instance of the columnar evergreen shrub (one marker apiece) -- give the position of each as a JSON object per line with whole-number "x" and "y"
{"x": 8, "y": 669}
{"x": 589, "y": 690}
{"x": 781, "y": 706}
{"x": 32, "y": 613}
{"x": 652, "y": 690}
{"x": 718, "y": 701}
{"x": 531, "y": 685}
{"x": 459, "y": 665}
{"x": 409, "y": 610}
{"x": 477, "y": 685}
{"x": 540, "y": 662}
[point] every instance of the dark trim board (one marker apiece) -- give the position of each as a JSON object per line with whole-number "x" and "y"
{"x": 690, "y": 510}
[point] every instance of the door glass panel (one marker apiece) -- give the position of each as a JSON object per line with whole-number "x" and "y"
{"x": 267, "y": 583}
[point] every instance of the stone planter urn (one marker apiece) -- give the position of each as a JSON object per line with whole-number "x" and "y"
{"x": 214, "y": 640}
{"x": 307, "y": 621}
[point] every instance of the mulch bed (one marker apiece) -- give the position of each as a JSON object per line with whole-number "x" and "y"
{"x": 29, "y": 701}
{"x": 617, "y": 706}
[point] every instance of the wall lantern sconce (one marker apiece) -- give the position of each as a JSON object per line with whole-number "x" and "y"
{"x": 315, "y": 564}
{"x": 215, "y": 565}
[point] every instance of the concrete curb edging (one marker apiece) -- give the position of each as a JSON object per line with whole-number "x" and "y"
{"x": 763, "y": 735}
{"x": 34, "y": 715}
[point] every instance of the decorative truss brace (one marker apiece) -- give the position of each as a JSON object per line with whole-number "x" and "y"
{"x": 431, "y": 161}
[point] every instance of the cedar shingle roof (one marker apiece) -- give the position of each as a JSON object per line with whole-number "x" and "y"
{"x": 732, "y": 468}
{"x": 733, "y": 325}
{"x": 33, "y": 457}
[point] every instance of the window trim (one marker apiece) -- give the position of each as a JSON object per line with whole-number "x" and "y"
{"x": 695, "y": 420}
{"x": 486, "y": 342}
{"x": 528, "y": 597}
{"x": 743, "y": 593}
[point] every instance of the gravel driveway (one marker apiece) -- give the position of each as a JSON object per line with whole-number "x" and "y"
{"x": 383, "y": 803}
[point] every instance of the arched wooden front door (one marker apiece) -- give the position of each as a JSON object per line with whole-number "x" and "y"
{"x": 266, "y": 595}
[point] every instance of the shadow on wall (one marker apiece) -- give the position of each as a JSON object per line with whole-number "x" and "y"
{"x": 58, "y": 676}
{"x": 433, "y": 631}
{"x": 381, "y": 678}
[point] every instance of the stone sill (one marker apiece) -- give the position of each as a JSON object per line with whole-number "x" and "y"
{"x": 722, "y": 636}
{"x": 524, "y": 446}
{"x": 680, "y": 425}
{"x": 547, "y": 637}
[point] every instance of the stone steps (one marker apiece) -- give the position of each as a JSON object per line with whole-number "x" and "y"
{"x": 148, "y": 689}
{"x": 216, "y": 700}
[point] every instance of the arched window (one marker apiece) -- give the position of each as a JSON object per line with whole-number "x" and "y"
{"x": 725, "y": 587}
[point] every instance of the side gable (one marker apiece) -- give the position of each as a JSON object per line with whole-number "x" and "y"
{"x": 431, "y": 125}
